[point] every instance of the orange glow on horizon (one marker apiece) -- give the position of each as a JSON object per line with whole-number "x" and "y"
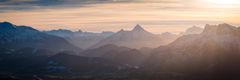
{"x": 158, "y": 17}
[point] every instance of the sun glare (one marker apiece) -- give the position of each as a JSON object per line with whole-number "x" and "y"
{"x": 224, "y": 2}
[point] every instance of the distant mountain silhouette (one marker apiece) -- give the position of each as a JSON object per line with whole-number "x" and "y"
{"x": 61, "y": 33}
{"x": 193, "y": 30}
{"x": 136, "y": 38}
{"x": 17, "y": 37}
{"x": 80, "y": 39}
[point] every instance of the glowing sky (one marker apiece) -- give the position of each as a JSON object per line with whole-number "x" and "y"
{"x": 111, "y": 15}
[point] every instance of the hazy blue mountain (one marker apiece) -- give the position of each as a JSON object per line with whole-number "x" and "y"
{"x": 136, "y": 38}
{"x": 61, "y": 33}
{"x": 79, "y": 38}
{"x": 17, "y": 37}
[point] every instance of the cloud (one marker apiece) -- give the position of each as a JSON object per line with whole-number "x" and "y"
{"x": 6, "y": 5}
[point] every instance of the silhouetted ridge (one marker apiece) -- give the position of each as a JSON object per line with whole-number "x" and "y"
{"x": 10, "y": 26}
{"x": 17, "y": 37}
{"x": 6, "y": 25}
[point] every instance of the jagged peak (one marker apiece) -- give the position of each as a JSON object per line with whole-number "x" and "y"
{"x": 138, "y": 28}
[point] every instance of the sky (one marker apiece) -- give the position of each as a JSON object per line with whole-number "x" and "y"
{"x": 156, "y": 16}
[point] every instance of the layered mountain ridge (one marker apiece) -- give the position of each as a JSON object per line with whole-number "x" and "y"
{"x": 211, "y": 53}
{"x": 17, "y": 37}
{"x": 136, "y": 38}
{"x": 81, "y": 39}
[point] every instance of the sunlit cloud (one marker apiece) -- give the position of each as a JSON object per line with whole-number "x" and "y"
{"x": 98, "y": 15}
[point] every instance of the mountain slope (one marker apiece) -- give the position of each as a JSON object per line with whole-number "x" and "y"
{"x": 213, "y": 54}
{"x": 127, "y": 56}
{"x": 17, "y": 37}
{"x": 215, "y": 40}
{"x": 223, "y": 36}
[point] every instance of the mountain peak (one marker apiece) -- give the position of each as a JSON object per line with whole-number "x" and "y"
{"x": 138, "y": 28}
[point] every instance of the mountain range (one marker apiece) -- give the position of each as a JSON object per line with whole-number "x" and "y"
{"x": 211, "y": 53}
{"x": 136, "y": 38}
